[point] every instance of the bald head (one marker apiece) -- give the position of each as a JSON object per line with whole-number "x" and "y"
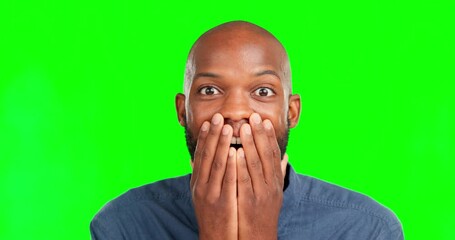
{"x": 235, "y": 70}
{"x": 241, "y": 41}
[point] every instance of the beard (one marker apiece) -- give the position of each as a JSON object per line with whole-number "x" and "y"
{"x": 191, "y": 141}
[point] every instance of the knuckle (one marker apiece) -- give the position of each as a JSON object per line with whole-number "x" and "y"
{"x": 217, "y": 165}
{"x": 255, "y": 163}
{"x": 275, "y": 193}
{"x": 205, "y": 154}
{"x": 211, "y": 199}
{"x": 260, "y": 198}
{"x": 260, "y": 130}
{"x": 271, "y": 133}
{"x": 198, "y": 193}
{"x": 229, "y": 179}
{"x": 213, "y": 131}
{"x": 244, "y": 179}
{"x": 197, "y": 154}
{"x": 269, "y": 152}
{"x": 248, "y": 140}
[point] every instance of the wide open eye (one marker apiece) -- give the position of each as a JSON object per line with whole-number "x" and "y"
{"x": 264, "y": 92}
{"x": 208, "y": 91}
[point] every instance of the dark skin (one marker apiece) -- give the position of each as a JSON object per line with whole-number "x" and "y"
{"x": 240, "y": 88}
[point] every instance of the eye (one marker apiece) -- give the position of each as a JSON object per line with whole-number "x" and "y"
{"x": 264, "y": 92}
{"x": 208, "y": 91}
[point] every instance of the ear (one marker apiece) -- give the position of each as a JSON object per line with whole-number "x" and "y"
{"x": 180, "y": 107}
{"x": 294, "y": 110}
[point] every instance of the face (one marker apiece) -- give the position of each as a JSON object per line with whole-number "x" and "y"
{"x": 237, "y": 78}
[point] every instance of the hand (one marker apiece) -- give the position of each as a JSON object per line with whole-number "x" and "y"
{"x": 214, "y": 181}
{"x": 260, "y": 180}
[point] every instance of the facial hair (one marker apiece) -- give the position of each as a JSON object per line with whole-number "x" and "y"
{"x": 191, "y": 141}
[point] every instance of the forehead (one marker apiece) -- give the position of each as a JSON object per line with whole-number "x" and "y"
{"x": 242, "y": 52}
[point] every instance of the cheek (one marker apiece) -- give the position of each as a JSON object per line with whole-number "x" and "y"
{"x": 280, "y": 127}
{"x": 278, "y": 118}
{"x": 197, "y": 114}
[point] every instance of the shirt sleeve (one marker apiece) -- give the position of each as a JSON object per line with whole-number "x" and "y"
{"x": 394, "y": 232}
{"x": 103, "y": 228}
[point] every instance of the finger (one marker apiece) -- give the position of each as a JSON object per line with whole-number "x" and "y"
{"x": 252, "y": 158}
{"x": 229, "y": 188}
{"x": 284, "y": 164}
{"x": 274, "y": 151}
{"x": 203, "y": 132}
{"x": 245, "y": 187}
{"x": 265, "y": 148}
{"x": 207, "y": 153}
{"x": 220, "y": 160}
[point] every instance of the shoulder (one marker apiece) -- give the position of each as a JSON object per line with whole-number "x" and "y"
{"x": 139, "y": 208}
{"x": 160, "y": 191}
{"x": 325, "y": 193}
{"x": 336, "y": 207}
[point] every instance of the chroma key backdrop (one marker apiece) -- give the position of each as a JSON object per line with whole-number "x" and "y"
{"x": 87, "y": 103}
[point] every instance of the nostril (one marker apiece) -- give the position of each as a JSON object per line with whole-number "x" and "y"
{"x": 236, "y": 125}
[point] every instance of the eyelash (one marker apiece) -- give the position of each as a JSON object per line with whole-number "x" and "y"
{"x": 272, "y": 92}
{"x": 217, "y": 91}
{"x": 200, "y": 91}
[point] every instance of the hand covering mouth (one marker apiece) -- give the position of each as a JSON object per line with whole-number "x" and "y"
{"x": 236, "y": 142}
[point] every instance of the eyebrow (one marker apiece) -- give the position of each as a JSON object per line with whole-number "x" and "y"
{"x": 268, "y": 72}
{"x": 206, "y": 74}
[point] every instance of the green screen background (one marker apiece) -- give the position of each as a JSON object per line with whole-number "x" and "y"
{"x": 87, "y": 103}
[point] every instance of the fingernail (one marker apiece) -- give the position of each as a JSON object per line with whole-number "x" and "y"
{"x": 267, "y": 124}
{"x": 216, "y": 119}
{"x": 226, "y": 130}
{"x": 205, "y": 126}
{"x": 231, "y": 152}
{"x": 256, "y": 118}
{"x": 241, "y": 153}
{"x": 247, "y": 129}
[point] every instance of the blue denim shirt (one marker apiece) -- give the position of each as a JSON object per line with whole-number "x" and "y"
{"x": 312, "y": 209}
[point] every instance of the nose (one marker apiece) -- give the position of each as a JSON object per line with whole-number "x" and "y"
{"x": 236, "y": 110}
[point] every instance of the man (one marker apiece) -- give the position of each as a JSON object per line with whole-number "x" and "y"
{"x": 237, "y": 110}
